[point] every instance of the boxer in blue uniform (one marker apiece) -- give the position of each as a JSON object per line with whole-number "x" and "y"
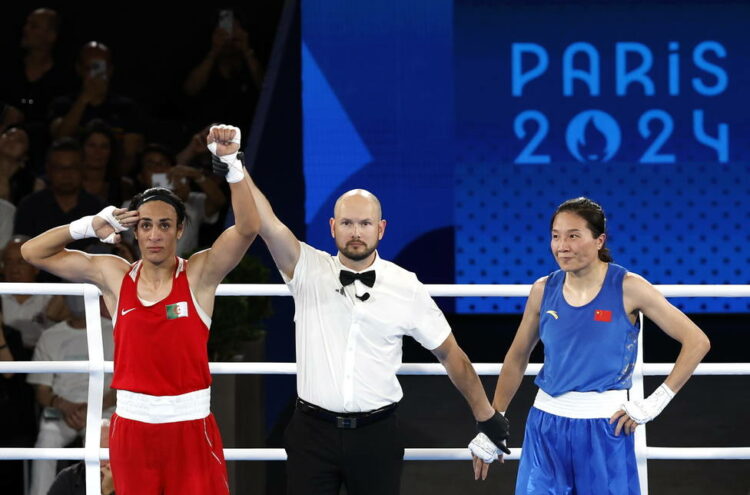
{"x": 578, "y": 434}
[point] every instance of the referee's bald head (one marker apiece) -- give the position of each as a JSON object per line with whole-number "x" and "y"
{"x": 358, "y": 193}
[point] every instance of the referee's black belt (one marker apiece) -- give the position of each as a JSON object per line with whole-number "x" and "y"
{"x": 347, "y": 421}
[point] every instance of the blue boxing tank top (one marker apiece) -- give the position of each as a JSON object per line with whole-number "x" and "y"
{"x": 589, "y": 348}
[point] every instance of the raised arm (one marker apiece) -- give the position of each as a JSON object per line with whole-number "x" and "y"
{"x": 47, "y": 251}
{"x": 281, "y": 242}
{"x": 639, "y": 295}
{"x": 208, "y": 268}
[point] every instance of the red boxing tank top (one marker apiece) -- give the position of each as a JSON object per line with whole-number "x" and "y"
{"x": 160, "y": 349}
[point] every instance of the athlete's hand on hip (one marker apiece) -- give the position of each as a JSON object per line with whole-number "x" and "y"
{"x": 625, "y": 423}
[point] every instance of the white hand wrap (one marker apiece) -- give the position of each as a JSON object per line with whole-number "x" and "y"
{"x": 484, "y": 448}
{"x": 236, "y": 170}
{"x": 84, "y": 226}
{"x": 643, "y": 411}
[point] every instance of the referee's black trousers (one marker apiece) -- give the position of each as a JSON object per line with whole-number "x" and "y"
{"x": 322, "y": 457}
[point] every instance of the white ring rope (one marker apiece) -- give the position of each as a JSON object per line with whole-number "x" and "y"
{"x": 96, "y": 367}
{"x": 411, "y": 454}
{"x": 269, "y": 368}
{"x": 488, "y": 290}
{"x": 436, "y": 290}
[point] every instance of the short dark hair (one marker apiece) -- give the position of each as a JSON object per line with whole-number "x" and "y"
{"x": 160, "y": 194}
{"x": 155, "y": 148}
{"x": 596, "y": 221}
{"x": 100, "y": 126}
{"x": 64, "y": 144}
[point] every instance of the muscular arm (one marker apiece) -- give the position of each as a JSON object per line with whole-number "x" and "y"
{"x": 47, "y": 252}
{"x": 516, "y": 360}
{"x": 281, "y": 242}
{"x": 641, "y": 295}
{"x": 212, "y": 265}
{"x": 208, "y": 268}
{"x": 517, "y": 357}
{"x": 464, "y": 377}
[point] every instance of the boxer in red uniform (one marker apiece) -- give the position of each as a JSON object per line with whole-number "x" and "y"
{"x": 163, "y": 437}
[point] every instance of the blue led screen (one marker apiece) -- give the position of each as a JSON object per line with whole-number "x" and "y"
{"x": 478, "y": 118}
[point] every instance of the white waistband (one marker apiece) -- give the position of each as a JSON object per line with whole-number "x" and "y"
{"x": 164, "y": 409}
{"x": 582, "y": 405}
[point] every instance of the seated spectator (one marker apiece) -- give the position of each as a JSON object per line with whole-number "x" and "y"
{"x": 28, "y": 314}
{"x": 96, "y": 100}
{"x": 36, "y": 78}
{"x": 64, "y": 200}
{"x": 9, "y": 116}
{"x": 16, "y": 412}
{"x": 225, "y": 85}
{"x": 64, "y": 396}
{"x": 16, "y": 178}
{"x": 72, "y": 480}
{"x": 100, "y": 176}
{"x": 158, "y": 168}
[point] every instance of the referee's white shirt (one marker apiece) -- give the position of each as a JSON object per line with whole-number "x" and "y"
{"x": 348, "y": 350}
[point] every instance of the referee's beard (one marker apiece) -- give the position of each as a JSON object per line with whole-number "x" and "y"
{"x": 357, "y": 255}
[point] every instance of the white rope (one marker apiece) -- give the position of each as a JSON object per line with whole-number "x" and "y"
{"x": 436, "y": 290}
{"x": 494, "y": 290}
{"x": 412, "y": 454}
{"x": 96, "y": 367}
{"x": 268, "y": 368}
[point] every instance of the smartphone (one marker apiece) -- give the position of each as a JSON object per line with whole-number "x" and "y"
{"x": 226, "y": 20}
{"x": 98, "y": 68}
{"x": 161, "y": 180}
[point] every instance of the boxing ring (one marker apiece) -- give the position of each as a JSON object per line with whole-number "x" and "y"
{"x": 96, "y": 367}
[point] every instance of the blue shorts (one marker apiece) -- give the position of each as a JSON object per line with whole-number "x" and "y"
{"x": 567, "y": 456}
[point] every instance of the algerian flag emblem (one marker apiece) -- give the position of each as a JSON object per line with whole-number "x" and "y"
{"x": 177, "y": 310}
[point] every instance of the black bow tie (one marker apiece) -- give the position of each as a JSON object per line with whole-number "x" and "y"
{"x": 346, "y": 277}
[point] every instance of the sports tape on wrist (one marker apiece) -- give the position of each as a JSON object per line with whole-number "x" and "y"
{"x": 236, "y": 170}
{"x": 643, "y": 411}
{"x": 82, "y": 228}
{"x": 482, "y": 447}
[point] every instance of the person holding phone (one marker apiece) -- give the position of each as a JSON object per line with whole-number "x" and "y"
{"x": 96, "y": 100}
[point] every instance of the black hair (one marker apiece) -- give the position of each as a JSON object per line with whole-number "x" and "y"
{"x": 64, "y": 144}
{"x": 596, "y": 221}
{"x": 100, "y": 126}
{"x": 155, "y": 148}
{"x": 160, "y": 194}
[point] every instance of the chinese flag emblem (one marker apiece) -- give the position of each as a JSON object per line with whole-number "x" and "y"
{"x": 602, "y": 315}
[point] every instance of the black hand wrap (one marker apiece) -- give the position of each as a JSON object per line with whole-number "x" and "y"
{"x": 221, "y": 168}
{"x": 497, "y": 429}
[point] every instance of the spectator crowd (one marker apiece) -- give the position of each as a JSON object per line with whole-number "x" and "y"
{"x": 70, "y": 144}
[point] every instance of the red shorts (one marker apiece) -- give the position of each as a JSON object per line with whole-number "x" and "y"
{"x": 182, "y": 458}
